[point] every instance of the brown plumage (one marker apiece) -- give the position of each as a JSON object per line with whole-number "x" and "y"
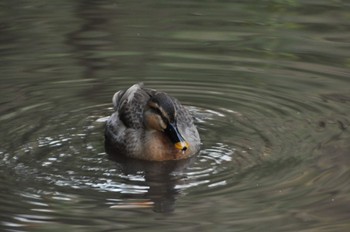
{"x": 151, "y": 125}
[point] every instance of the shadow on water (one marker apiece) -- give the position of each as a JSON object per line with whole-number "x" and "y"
{"x": 160, "y": 178}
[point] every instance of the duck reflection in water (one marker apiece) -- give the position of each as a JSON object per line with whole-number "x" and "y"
{"x": 161, "y": 178}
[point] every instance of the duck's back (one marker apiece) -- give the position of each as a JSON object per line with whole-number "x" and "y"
{"x": 130, "y": 105}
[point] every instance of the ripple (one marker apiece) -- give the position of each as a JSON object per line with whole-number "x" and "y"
{"x": 267, "y": 137}
{"x": 268, "y": 85}
{"x": 234, "y": 122}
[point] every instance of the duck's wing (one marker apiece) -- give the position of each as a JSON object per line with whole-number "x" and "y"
{"x": 130, "y": 105}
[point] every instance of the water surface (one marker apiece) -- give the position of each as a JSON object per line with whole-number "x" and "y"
{"x": 267, "y": 83}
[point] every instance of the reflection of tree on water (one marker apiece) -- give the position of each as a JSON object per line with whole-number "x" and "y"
{"x": 91, "y": 37}
{"x": 88, "y": 41}
{"x": 160, "y": 177}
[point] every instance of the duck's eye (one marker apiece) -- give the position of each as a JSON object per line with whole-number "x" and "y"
{"x": 157, "y": 111}
{"x": 154, "y": 121}
{"x": 161, "y": 115}
{"x": 154, "y": 107}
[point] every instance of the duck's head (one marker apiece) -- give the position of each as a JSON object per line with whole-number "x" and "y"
{"x": 161, "y": 116}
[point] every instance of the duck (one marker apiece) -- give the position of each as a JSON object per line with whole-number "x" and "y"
{"x": 150, "y": 125}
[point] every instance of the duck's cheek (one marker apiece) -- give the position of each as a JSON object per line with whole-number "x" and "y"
{"x": 154, "y": 121}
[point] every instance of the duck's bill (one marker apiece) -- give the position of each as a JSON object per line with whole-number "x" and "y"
{"x": 176, "y": 137}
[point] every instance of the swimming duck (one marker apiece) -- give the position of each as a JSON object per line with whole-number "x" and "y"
{"x": 151, "y": 125}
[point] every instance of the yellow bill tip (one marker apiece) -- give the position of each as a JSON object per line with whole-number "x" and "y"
{"x": 182, "y": 146}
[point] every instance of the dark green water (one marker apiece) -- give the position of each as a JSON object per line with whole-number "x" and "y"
{"x": 268, "y": 83}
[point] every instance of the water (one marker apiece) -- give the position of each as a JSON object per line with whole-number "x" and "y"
{"x": 268, "y": 85}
